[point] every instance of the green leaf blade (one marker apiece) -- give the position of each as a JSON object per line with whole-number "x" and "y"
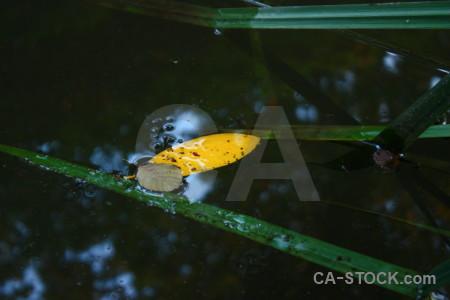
{"x": 316, "y": 251}
{"x": 405, "y": 15}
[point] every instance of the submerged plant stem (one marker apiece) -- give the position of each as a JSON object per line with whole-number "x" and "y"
{"x": 339, "y": 133}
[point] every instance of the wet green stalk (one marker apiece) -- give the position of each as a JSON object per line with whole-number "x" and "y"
{"x": 336, "y": 258}
{"x": 407, "y": 127}
{"x": 403, "y": 15}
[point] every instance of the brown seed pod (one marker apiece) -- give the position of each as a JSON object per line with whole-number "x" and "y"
{"x": 159, "y": 177}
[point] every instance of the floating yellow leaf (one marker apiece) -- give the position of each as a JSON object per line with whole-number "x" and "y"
{"x": 208, "y": 152}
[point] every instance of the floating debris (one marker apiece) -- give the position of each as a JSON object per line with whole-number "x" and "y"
{"x": 159, "y": 177}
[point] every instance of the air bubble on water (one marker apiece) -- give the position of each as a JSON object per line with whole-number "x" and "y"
{"x": 157, "y": 121}
{"x": 177, "y": 123}
{"x": 169, "y": 119}
{"x": 168, "y": 127}
{"x": 168, "y": 139}
{"x": 154, "y": 130}
{"x": 217, "y": 31}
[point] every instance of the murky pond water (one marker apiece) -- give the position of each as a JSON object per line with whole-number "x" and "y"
{"x": 79, "y": 80}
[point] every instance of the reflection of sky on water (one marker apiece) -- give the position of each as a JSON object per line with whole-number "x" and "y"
{"x": 47, "y": 147}
{"x": 187, "y": 125}
{"x": 200, "y": 185}
{"x": 123, "y": 283}
{"x": 305, "y": 111}
{"x": 390, "y": 62}
{"x": 107, "y": 157}
{"x": 434, "y": 80}
{"x": 31, "y": 281}
{"x": 347, "y": 82}
{"x": 95, "y": 256}
{"x": 30, "y": 286}
{"x": 384, "y": 111}
{"x": 187, "y": 122}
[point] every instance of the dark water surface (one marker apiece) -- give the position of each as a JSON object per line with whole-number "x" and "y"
{"x": 77, "y": 82}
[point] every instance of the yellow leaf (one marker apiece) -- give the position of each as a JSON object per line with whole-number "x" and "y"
{"x": 208, "y": 152}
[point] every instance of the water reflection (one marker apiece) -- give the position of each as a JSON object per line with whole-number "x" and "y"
{"x": 96, "y": 256}
{"x": 30, "y": 281}
{"x": 391, "y": 61}
{"x": 47, "y": 147}
{"x": 107, "y": 157}
{"x": 347, "y": 83}
{"x": 305, "y": 112}
{"x": 118, "y": 287}
{"x": 433, "y": 81}
{"x": 114, "y": 287}
{"x": 383, "y": 111}
{"x": 200, "y": 185}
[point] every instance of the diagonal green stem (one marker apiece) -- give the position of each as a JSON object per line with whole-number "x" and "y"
{"x": 405, "y": 15}
{"x": 407, "y": 127}
{"x": 334, "y": 257}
